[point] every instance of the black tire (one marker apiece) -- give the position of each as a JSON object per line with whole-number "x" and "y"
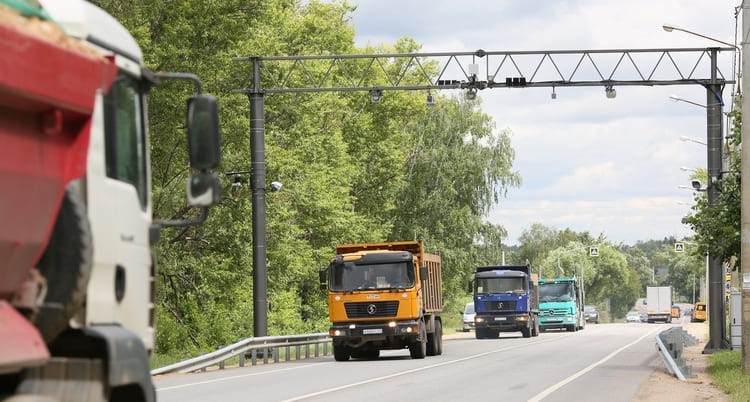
{"x": 481, "y": 333}
{"x": 438, "y": 338}
{"x": 431, "y": 344}
{"x": 526, "y": 332}
{"x": 418, "y": 349}
{"x": 66, "y": 265}
{"x": 341, "y": 353}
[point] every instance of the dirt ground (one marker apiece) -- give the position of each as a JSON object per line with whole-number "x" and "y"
{"x": 663, "y": 386}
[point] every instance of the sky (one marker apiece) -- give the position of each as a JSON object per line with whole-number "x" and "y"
{"x": 609, "y": 167}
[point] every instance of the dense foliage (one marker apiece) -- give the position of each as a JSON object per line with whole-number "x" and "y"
{"x": 352, "y": 171}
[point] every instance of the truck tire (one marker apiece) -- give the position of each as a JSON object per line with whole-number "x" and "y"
{"x": 341, "y": 353}
{"x": 435, "y": 340}
{"x": 439, "y": 338}
{"x": 418, "y": 349}
{"x": 431, "y": 347}
{"x": 66, "y": 265}
{"x": 526, "y": 332}
{"x": 481, "y": 333}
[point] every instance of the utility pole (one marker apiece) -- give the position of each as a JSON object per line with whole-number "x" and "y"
{"x": 717, "y": 317}
{"x": 745, "y": 194}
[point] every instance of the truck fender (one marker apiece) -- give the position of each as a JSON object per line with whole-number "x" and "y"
{"x": 66, "y": 264}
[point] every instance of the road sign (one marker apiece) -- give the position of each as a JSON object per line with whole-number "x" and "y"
{"x": 594, "y": 251}
{"x": 679, "y": 247}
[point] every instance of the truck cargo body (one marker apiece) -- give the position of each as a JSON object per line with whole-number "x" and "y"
{"x": 76, "y": 267}
{"x": 505, "y": 300}
{"x": 561, "y": 304}
{"x": 384, "y": 296}
{"x": 659, "y": 303}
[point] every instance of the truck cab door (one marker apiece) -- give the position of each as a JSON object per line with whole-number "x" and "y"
{"x": 119, "y": 203}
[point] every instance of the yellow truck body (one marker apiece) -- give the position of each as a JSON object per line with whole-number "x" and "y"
{"x": 384, "y": 296}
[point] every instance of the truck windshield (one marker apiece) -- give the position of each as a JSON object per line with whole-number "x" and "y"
{"x": 556, "y": 292}
{"x": 501, "y": 285}
{"x": 350, "y": 276}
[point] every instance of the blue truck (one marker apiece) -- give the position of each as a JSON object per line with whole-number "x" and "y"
{"x": 561, "y": 304}
{"x": 506, "y": 299}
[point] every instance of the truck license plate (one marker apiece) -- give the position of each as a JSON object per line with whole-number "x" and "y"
{"x": 499, "y": 318}
{"x": 372, "y": 331}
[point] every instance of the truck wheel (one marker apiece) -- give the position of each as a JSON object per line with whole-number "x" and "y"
{"x": 341, "y": 353}
{"x": 571, "y": 328}
{"x": 480, "y": 333}
{"x": 438, "y": 338}
{"x": 418, "y": 349}
{"x": 66, "y": 265}
{"x": 431, "y": 346}
{"x": 526, "y": 332}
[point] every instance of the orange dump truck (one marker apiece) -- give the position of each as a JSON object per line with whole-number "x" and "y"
{"x": 384, "y": 296}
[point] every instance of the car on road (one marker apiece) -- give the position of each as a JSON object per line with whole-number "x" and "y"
{"x": 591, "y": 314}
{"x": 468, "y": 317}
{"x": 633, "y": 316}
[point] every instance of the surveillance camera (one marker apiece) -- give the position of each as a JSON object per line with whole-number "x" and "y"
{"x": 276, "y": 186}
{"x": 696, "y": 184}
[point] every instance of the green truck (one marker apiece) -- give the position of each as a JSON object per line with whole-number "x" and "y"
{"x": 561, "y": 304}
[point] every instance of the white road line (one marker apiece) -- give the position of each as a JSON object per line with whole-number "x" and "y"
{"x": 548, "y": 391}
{"x": 329, "y": 390}
{"x": 239, "y": 376}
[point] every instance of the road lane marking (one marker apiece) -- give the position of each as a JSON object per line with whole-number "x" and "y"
{"x": 385, "y": 377}
{"x": 538, "y": 397}
{"x": 238, "y": 376}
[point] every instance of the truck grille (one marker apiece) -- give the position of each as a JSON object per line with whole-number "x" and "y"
{"x": 490, "y": 306}
{"x": 553, "y": 312}
{"x": 371, "y": 309}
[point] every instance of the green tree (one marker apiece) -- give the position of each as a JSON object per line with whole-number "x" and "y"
{"x": 717, "y": 227}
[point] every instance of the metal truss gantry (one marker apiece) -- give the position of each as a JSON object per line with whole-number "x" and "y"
{"x": 475, "y": 71}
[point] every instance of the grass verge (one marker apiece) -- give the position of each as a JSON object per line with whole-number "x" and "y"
{"x": 725, "y": 369}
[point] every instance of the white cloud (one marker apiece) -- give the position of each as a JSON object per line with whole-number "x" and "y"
{"x": 588, "y": 163}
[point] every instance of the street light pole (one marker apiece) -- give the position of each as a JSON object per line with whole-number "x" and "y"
{"x": 745, "y": 195}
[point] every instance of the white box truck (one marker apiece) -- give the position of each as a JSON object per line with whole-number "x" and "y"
{"x": 659, "y": 303}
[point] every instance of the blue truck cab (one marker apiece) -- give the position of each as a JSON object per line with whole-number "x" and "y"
{"x": 506, "y": 299}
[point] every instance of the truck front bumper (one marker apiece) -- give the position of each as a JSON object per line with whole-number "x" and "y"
{"x": 371, "y": 331}
{"x": 503, "y": 323}
{"x": 557, "y": 321}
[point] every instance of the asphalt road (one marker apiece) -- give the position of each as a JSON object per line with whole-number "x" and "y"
{"x": 603, "y": 362}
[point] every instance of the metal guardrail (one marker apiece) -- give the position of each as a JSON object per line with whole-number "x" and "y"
{"x": 266, "y": 348}
{"x": 670, "y": 343}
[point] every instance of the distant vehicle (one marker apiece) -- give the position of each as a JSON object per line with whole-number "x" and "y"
{"x": 591, "y": 314}
{"x": 644, "y": 316}
{"x": 675, "y": 311}
{"x": 468, "y": 317}
{"x": 659, "y": 303}
{"x": 699, "y": 312}
{"x": 633, "y": 316}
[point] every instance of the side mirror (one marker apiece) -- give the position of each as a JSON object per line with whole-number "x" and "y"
{"x": 203, "y": 190}
{"x": 203, "y": 132}
{"x": 471, "y": 286}
{"x": 423, "y": 273}
{"x": 323, "y": 276}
